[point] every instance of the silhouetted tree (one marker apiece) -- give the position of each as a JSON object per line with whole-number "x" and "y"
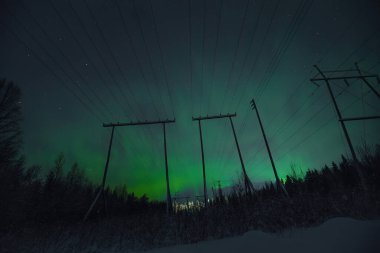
{"x": 10, "y": 117}
{"x": 11, "y": 162}
{"x": 75, "y": 177}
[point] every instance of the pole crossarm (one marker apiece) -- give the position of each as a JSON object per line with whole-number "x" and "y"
{"x": 360, "y": 118}
{"x": 342, "y": 77}
{"x": 220, "y": 116}
{"x": 339, "y": 71}
{"x": 137, "y": 123}
{"x": 324, "y": 77}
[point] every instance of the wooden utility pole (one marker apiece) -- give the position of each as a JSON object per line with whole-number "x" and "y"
{"x": 247, "y": 181}
{"x": 278, "y": 182}
{"x": 203, "y": 165}
{"x": 326, "y": 79}
{"x": 345, "y": 78}
{"x": 169, "y": 207}
{"x": 101, "y": 190}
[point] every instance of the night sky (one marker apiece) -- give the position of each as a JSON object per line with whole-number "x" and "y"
{"x": 82, "y": 63}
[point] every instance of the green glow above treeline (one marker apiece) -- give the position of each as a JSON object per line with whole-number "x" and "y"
{"x": 54, "y": 121}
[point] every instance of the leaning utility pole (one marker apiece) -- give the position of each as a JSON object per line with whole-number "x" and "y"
{"x": 279, "y": 183}
{"x": 169, "y": 207}
{"x": 345, "y": 78}
{"x": 247, "y": 181}
{"x": 203, "y": 164}
{"x": 101, "y": 190}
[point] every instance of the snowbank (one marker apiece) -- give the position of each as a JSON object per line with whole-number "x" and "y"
{"x": 336, "y": 235}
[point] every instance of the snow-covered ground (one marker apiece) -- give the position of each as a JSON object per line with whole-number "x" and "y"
{"x": 336, "y": 235}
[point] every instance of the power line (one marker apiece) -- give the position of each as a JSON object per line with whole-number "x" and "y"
{"x": 370, "y": 52}
{"x": 342, "y": 91}
{"x": 63, "y": 20}
{"x": 352, "y": 53}
{"x": 338, "y": 38}
{"x": 250, "y": 44}
{"x": 236, "y": 50}
{"x": 112, "y": 55}
{"x": 362, "y": 44}
{"x": 52, "y": 41}
{"x": 320, "y": 127}
{"x": 155, "y": 79}
{"x": 356, "y": 96}
{"x": 267, "y": 30}
{"x": 260, "y": 50}
{"x": 283, "y": 126}
{"x": 100, "y": 55}
{"x": 138, "y": 61}
{"x": 31, "y": 35}
{"x": 73, "y": 36}
{"x": 203, "y": 54}
{"x": 219, "y": 18}
{"x": 253, "y": 67}
{"x": 308, "y": 121}
{"x": 299, "y": 86}
{"x": 301, "y": 12}
{"x": 323, "y": 56}
{"x": 50, "y": 69}
{"x": 297, "y": 131}
{"x": 215, "y": 52}
{"x": 161, "y": 57}
{"x": 190, "y": 56}
{"x": 295, "y": 113}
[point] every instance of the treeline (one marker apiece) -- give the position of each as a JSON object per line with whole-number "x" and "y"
{"x": 333, "y": 191}
{"x": 61, "y": 197}
{"x": 52, "y": 207}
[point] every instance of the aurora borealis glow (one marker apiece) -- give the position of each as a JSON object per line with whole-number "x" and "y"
{"x": 333, "y": 34}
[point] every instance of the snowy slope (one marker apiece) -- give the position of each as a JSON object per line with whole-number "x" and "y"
{"x": 336, "y": 235}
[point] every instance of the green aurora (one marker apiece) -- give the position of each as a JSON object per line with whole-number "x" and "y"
{"x": 54, "y": 121}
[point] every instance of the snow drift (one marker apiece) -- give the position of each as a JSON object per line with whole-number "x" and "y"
{"x": 335, "y": 235}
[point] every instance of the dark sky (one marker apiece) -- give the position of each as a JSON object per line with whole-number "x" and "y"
{"x": 80, "y": 64}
